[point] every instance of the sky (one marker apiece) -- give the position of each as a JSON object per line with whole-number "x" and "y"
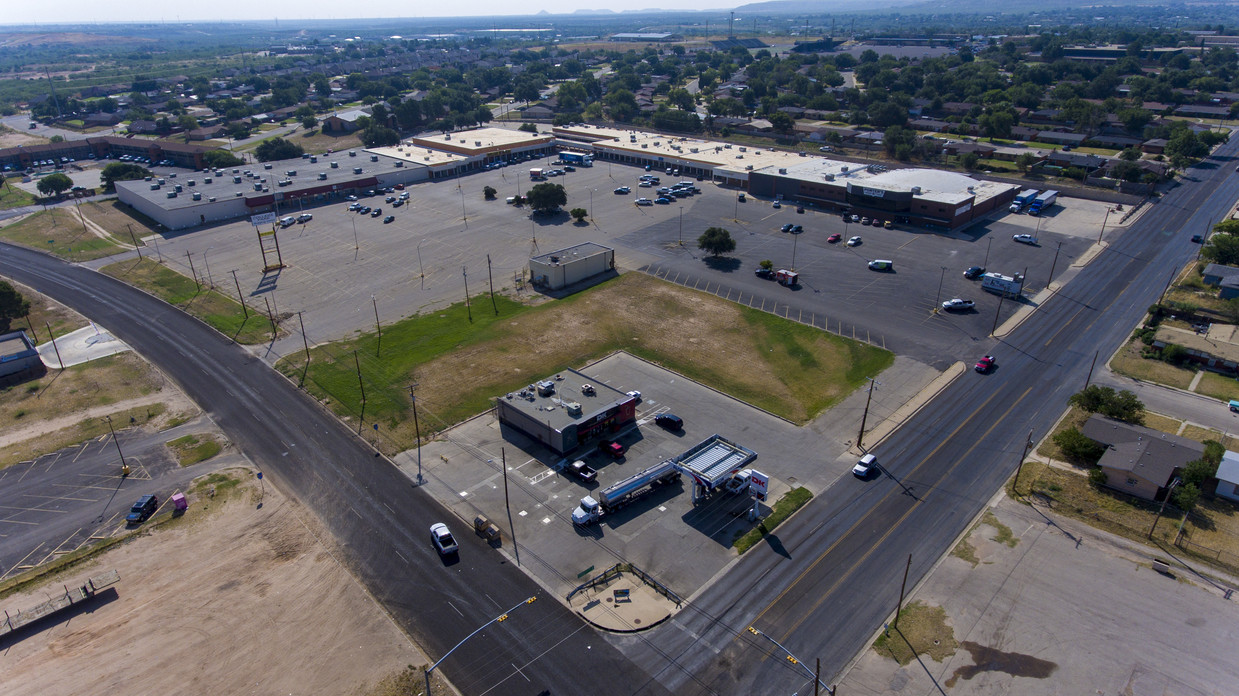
{"x": 85, "y": 11}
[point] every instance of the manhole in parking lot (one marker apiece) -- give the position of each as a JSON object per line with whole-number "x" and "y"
{"x": 636, "y": 622}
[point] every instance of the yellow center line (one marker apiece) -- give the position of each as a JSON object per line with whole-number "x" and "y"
{"x": 833, "y": 587}
{"x": 871, "y": 511}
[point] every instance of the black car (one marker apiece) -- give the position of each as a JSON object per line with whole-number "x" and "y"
{"x": 142, "y": 510}
{"x": 1198, "y": 239}
{"x": 974, "y": 272}
{"x": 670, "y": 421}
{"x": 376, "y": 212}
{"x": 763, "y": 273}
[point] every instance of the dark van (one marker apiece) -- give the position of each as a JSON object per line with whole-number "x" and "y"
{"x": 670, "y": 421}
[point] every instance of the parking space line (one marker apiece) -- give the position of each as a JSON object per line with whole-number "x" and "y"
{"x": 29, "y": 509}
{"x": 60, "y": 497}
{"x": 19, "y": 563}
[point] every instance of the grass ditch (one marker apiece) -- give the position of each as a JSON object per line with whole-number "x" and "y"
{"x": 459, "y": 365}
{"x": 924, "y": 632}
{"x": 192, "y": 449}
{"x": 13, "y": 197}
{"x": 791, "y": 501}
{"x": 59, "y": 232}
{"x": 221, "y": 312}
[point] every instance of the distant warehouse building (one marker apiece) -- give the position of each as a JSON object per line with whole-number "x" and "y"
{"x": 566, "y": 411}
{"x": 646, "y": 37}
{"x": 569, "y": 266}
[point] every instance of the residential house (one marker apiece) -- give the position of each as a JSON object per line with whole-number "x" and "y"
{"x": 537, "y": 112}
{"x": 1156, "y": 146}
{"x": 954, "y": 147}
{"x": 1200, "y": 111}
{"x": 1140, "y": 461}
{"x": 102, "y": 119}
{"x": 1060, "y": 138}
{"x": 1225, "y": 278}
{"x": 1024, "y": 133}
{"x": 206, "y": 132}
{"x": 1214, "y": 348}
{"x": 344, "y": 121}
{"x": 1119, "y": 141}
{"x": 1228, "y": 476}
{"x": 1088, "y": 163}
{"x": 142, "y": 127}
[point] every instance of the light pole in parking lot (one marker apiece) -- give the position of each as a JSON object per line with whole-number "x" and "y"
{"x": 591, "y": 204}
{"x": 463, "y": 215}
{"x": 941, "y": 277}
{"x": 988, "y": 242}
{"x": 864, "y": 416}
{"x": 1103, "y": 224}
{"x": 1054, "y": 264}
{"x": 681, "y": 242}
{"x": 421, "y": 272}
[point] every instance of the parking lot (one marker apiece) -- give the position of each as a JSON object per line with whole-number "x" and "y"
{"x": 664, "y": 534}
{"x": 340, "y": 265}
{"x": 69, "y": 498}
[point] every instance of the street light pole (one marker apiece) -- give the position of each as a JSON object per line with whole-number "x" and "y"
{"x": 938, "y": 299}
{"x": 795, "y": 241}
{"x": 989, "y": 241}
{"x": 792, "y": 659}
{"x": 681, "y": 242}
{"x": 1054, "y": 264}
{"x": 421, "y": 272}
{"x": 1162, "y": 509}
{"x": 498, "y": 619}
{"x": 865, "y": 416}
{"x": 1103, "y": 224}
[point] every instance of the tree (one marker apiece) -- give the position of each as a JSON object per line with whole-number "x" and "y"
{"x": 1122, "y": 405}
{"x": 528, "y": 128}
{"x": 1222, "y": 248}
{"x": 12, "y": 305}
{"x": 375, "y": 135}
{"x": 767, "y": 264}
{"x": 969, "y": 160}
{"x": 309, "y": 121}
{"x": 782, "y": 122}
{"x": 121, "y": 171}
{"x": 546, "y": 197}
{"x": 54, "y": 184}
{"x": 488, "y": 192}
{"x": 717, "y": 241}
{"x": 217, "y": 159}
{"x": 1025, "y": 161}
{"x": 278, "y": 149}
{"x": 579, "y": 213}
{"x": 1185, "y": 496}
{"x": 1077, "y": 447}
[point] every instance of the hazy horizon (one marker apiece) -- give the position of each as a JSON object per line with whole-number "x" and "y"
{"x": 84, "y": 12}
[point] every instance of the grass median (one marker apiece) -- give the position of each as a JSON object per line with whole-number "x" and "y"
{"x": 218, "y": 310}
{"x": 791, "y": 501}
{"x": 789, "y": 369}
{"x": 60, "y": 232}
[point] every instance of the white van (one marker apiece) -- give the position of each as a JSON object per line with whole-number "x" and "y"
{"x": 881, "y": 265}
{"x": 288, "y": 221}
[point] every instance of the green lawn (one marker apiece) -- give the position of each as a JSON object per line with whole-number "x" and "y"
{"x": 13, "y": 197}
{"x": 792, "y": 501}
{"x": 792, "y": 370}
{"x": 60, "y": 232}
{"x": 220, "y": 311}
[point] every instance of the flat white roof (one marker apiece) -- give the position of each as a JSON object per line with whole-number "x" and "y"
{"x": 416, "y": 154}
{"x": 482, "y": 139}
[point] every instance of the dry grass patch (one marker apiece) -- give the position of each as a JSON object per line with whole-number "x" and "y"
{"x": 1214, "y": 524}
{"x": 317, "y": 142}
{"x": 97, "y": 383}
{"x": 118, "y": 219}
{"x": 59, "y": 232}
{"x": 1218, "y": 386}
{"x": 85, "y": 429}
{"x": 1129, "y": 362}
{"x": 1075, "y": 419}
{"x": 1003, "y": 533}
{"x": 1069, "y": 493}
{"x": 966, "y": 551}
{"x": 45, "y": 311}
{"x": 1199, "y": 434}
{"x": 1166, "y": 424}
{"x": 13, "y": 197}
{"x": 923, "y": 630}
{"x": 792, "y": 370}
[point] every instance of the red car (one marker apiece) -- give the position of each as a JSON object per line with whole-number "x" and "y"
{"x": 611, "y": 447}
{"x": 985, "y": 364}
{"x": 834, "y": 238}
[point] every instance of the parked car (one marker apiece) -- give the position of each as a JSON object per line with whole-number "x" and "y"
{"x": 635, "y": 394}
{"x": 786, "y": 228}
{"x": 958, "y": 304}
{"x": 142, "y": 510}
{"x": 1024, "y": 239}
{"x": 376, "y": 212}
{"x": 669, "y": 421}
{"x": 888, "y": 224}
{"x": 389, "y": 218}
{"x": 623, "y": 189}
{"x": 881, "y": 265}
{"x": 443, "y": 540}
{"x": 834, "y": 238}
{"x": 797, "y": 229}
{"x": 644, "y": 201}
{"x": 766, "y": 273}
{"x": 974, "y": 272}
{"x": 397, "y": 204}
{"x": 611, "y": 447}
{"x": 662, "y": 200}
{"x": 354, "y": 206}
{"x": 985, "y": 364}
{"x": 304, "y": 218}
{"x": 1197, "y": 238}
{"x": 776, "y": 204}
{"x": 582, "y": 471}
{"x": 854, "y": 241}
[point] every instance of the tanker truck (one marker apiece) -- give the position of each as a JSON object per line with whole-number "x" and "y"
{"x": 617, "y": 496}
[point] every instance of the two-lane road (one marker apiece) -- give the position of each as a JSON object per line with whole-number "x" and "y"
{"x": 371, "y": 508}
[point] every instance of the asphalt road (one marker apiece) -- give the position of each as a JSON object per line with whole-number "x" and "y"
{"x": 820, "y": 587}
{"x": 378, "y": 517}
{"x": 831, "y": 576}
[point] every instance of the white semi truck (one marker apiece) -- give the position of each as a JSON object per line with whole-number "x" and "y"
{"x": 624, "y": 492}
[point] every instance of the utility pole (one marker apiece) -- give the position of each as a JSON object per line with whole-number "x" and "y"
{"x": 864, "y": 416}
{"x": 503, "y": 456}
{"x": 938, "y": 298}
{"x": 305, "y": 341}
{"x": 902, "y": 587}
{"x": 1020, "y": 465}
{"x": 271, "y": 318}
{"x": 378, "y": 328}
{"x": 490, "y": 279}
{"x": 362, "y": 386}
{"x": 1090, "y": 368}
{"x": 1054, "y": 264}
{"x": 49, "y": 333}
{"x": 192, "y": 271}
{"x": 135, "y": 239}
{"x": 464, "y": 271}
{"x": 681, "y": 242}
{"x": 1162, "y": 509}
{"x": 240, "y": 298}
{"x": 124, "y": 466}
{"x": 417, "y": 430}
{"x": 997, "y": 313}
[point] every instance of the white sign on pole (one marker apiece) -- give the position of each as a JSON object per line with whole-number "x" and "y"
{"x": 759, "y": 484}
{"x": 262, "y": 219}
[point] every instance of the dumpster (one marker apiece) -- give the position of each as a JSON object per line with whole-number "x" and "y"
{"x": 485, "y": 528}
{"x": 179, "y": 504}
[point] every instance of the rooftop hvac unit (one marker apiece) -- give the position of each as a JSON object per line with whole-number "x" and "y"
{"x": 322, "y": 176}
{"x": 756, "y": 152}
{"x": 238, "y": 194}
{"x": 352, "y": 153}
{"x": 971, "y": 189}
{"x": 748, "y": 168}
{"x": 160, "y": 180}
{"x": 693, "y": 150}
{"x": 356, "y": 170}
{"x": 399, "y": 164}
{"x": 573, "y": 408}
{"x": 207, "y": 180}
{"x": 782, "y": 170}
{"x": 291, "y": 172}
{"x": 265, "y": 166}
{"x": 828, "y": 177}
{"x": 154, "y": 187}
{"x": 744, "y": 149}
{"x": 739, "y": 156}
{"x": 172, "y": 194}
{"x": 211, "y": 199}
{"x": 644, "y": 145}
{"x": 477, "y": 143}
{"x": 728, "y": 146}
{"x": 197, "y": 196}
{"x": 335, "y": 165}
{"x": 916, "y": 190}
{"x": 844, "y": 168}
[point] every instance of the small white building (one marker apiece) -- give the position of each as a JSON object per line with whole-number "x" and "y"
{"x": 1228, "y": 476}
{"x": 559, "y": 269}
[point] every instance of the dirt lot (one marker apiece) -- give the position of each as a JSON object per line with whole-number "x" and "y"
{"x": 232, "y": 598}
{"x": 12, "y": 138}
